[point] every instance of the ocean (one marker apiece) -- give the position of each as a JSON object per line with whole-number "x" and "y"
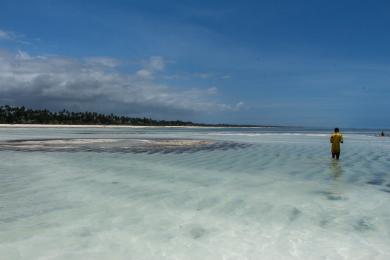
{"x": 193, "y": 193}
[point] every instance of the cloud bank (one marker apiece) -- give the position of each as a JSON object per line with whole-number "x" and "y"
{"x": 97, "y": 83}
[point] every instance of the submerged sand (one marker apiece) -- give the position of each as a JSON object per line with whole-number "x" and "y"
{"x": 130, "y": 145}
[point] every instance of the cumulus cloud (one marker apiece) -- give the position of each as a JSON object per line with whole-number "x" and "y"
{"x": 96, "y": 84}
{"x": 150, "y": 67}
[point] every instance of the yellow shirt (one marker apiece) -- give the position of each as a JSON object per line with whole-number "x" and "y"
{"x": 336, "y": 139}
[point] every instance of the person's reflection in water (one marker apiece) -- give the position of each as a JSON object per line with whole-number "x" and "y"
{"x": 335, "y": 168}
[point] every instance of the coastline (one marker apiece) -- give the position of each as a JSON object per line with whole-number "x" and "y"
{"x": 117, "y": 126}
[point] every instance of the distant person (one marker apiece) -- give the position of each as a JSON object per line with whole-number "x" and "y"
{"x": 336, "y": 138}
{"x": 383, "y": 133}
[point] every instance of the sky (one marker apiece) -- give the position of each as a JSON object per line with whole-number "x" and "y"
{"x": 301, "y": 63}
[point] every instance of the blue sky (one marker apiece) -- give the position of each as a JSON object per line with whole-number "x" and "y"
{"x": 310, "y": 63}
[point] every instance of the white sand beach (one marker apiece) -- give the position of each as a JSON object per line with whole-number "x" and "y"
{"x": 85, "y": 126}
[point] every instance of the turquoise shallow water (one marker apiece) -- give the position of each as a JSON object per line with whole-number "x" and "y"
{"x": 253, "y": 194}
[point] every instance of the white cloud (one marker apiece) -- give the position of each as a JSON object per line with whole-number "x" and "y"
{"x": 22, "y": 55}
{"x": 95, "y": 83}
{"x": 144, "y": 73}
{"x": 4, "y": 35}
{"x": 204, "y": 75}
{"x": 212, "y": 90}
{"x": 239, "y": 105}
{"x": 156, "y": 63}
{"x": 103, "y": 61}
{"x": 150, "y": 67}
{"x": 11, "y": 36}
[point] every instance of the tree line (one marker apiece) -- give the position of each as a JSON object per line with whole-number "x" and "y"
{"x": 22, "y": 115}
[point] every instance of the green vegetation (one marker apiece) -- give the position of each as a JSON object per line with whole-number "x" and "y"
{"x": 22, "y": 115}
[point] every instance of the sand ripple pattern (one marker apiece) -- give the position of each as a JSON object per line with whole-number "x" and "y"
{"x": 149, "y": 146}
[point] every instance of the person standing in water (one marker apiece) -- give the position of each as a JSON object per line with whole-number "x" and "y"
{"x": 336, "y": 138}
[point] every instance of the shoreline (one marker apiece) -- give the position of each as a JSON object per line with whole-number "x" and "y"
{"x": 117, "y": 126}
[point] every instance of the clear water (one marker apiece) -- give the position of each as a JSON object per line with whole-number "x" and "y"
{"x": 278, "y": 196}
